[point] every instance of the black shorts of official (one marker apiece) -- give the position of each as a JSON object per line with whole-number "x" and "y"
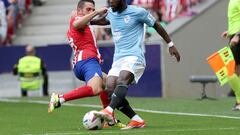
{"x": 236, "y": 52}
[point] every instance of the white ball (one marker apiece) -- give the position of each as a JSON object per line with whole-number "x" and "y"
{"x": 92, "y": 122}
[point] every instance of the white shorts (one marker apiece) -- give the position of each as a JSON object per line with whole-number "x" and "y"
{"x": 130, "y": 63}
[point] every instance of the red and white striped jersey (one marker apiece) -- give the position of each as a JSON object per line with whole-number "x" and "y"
{"x": 83, "y": 42}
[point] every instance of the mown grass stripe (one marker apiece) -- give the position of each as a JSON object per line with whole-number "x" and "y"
{"x": 137, "y": 109}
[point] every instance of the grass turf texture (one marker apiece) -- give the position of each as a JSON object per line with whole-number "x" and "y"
{"x": 32, "y": 119}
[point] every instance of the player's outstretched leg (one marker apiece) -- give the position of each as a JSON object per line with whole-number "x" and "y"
{"x": 54, "y": 102}
{"x": 81, "y": 92}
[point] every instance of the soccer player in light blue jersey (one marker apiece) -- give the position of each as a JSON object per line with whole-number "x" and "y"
{"x": 127, "y": 25}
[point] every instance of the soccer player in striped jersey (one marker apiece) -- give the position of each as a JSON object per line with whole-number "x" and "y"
{"x": 86, "y": 60}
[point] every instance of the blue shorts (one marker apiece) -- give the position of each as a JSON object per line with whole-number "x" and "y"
{"x": 86, "y": 69}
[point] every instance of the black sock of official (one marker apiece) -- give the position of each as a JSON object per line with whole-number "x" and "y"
{"x": 118, "y": 96}
{"x": 127, "y": 109}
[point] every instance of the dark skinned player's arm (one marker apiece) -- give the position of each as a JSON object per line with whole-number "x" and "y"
{"x": 100, "y": 21}
{"x": 162, "y": 32}
{"x": 172, "y": 49}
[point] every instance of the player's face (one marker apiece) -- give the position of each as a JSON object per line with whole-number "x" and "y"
{"x": 115, "y": 5}
{"x": 87, "y": 8}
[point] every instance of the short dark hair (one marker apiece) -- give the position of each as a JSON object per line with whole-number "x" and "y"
{"x": 82, "y": 2}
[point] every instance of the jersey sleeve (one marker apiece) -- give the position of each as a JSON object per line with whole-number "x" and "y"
{"x": 108, "y": 14}
{"x": 146, "y": 17}
{"x": 77, "y": 18}
{"x": 73, "y": 19}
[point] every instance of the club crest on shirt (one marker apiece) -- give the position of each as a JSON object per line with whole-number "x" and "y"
{"x": 126, "y": 18}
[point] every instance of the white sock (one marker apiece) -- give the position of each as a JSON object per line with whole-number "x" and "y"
{"x": 137, "y": 118}
{"x": 61, "y": 99}
{"x": 109, "y": 109}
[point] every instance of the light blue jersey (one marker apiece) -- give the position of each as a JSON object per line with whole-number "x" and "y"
{"x": 128, "y": 31}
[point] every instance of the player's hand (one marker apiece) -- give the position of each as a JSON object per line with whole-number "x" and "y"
{"x": 224, "y": 34}
{"x": 102, "y": 10}
{"x": 235, "y": 40}
{"x": 174, "y": 52}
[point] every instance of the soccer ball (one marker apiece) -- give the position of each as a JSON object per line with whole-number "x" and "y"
{"x": 91, "y": 122}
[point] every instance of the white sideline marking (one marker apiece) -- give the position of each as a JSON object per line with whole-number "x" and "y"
{"x": 135, "y": 131}
{"x": 187, "y": 114}
{"x": 136, "y": 109}
{"x": 91, "y": 132}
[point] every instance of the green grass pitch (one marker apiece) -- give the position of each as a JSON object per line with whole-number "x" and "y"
{"x": 163, "y": 117}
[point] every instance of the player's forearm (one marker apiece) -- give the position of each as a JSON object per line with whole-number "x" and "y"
{"x": 83, "y": 22}
{"x": 100, "y": 21}
{"x": 162, "y": 32}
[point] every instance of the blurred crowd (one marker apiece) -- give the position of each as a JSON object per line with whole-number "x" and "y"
{"x": 164, "y": 11}
{"x": 12, "y": 13}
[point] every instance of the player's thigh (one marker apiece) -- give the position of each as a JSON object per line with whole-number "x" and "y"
{"x": 137, "y": 71}
{"x": 125, "y": 77}
{"x": 96, "y": 83}
{"x": 104, "y": 77}
{"x": 92, "y": 69}
{"x": 123, "y": 67}
{"x": 135, "y": 67}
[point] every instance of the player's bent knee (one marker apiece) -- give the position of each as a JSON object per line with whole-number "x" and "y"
{"x": 123, "y": 81}
{"x": 109, "y": 88}
{"x": 97, "y": 90}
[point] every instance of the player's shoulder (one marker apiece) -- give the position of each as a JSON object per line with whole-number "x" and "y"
{"x": 109, "y": 10}
{"x": 136, "y": 8}
{"x": 137, "y": 11}
{"x": 75, "y": 17}
{"x": 131, "y": 10}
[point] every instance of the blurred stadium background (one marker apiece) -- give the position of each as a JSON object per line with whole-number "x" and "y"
{"x": 196, "y": 35}
{"x": 195, "y": 31}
